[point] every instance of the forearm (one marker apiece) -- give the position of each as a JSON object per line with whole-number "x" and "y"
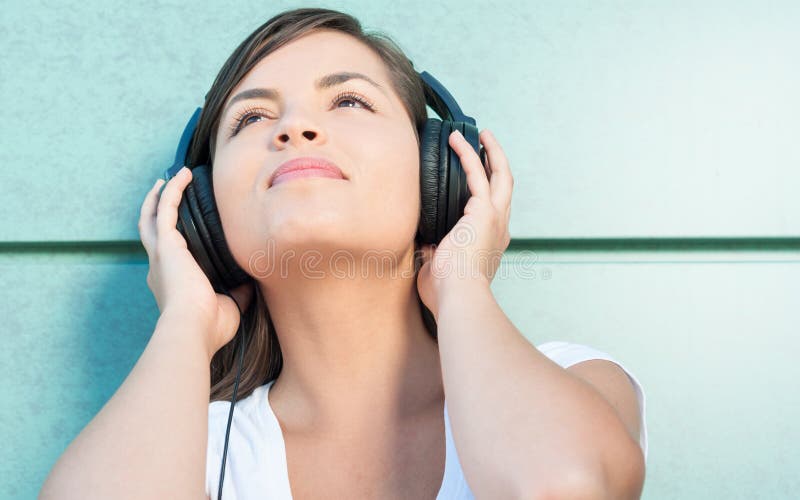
{"x": 149, "y": 440}
{"x": 520, "y": 421}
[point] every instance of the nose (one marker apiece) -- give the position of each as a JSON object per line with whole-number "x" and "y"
{"x": 298, "y": 128}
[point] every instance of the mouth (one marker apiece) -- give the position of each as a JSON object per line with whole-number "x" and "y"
{"x": 306, "y": 166}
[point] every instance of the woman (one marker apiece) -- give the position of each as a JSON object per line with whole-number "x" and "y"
{"x": 343, "y": 388}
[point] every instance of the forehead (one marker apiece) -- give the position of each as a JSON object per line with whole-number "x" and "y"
{"x": 304, "y": 59}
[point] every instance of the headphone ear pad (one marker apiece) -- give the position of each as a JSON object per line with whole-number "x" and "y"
{"x": 429, "y": 196}
{"x": 429, "y": 180}
{"x": 231, "y": 275}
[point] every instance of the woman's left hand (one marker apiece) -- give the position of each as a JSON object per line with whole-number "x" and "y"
{"x": 471, "y": 252}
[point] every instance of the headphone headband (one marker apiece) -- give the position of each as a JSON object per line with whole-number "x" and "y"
{"x": 441, "y": 101}
{"x": 183, "y": 145}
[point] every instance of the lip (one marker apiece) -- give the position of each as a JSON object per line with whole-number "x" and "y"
{"x": 303, "y": 163}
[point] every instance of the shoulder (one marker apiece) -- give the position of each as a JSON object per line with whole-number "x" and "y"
{"x": 610, "y": 377}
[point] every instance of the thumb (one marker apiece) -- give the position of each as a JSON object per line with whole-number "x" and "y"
{"x": 229, "y": 318}
{"x": 231, "y": 306}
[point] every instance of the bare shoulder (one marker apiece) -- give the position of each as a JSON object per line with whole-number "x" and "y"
{"x": 611, "y": 381}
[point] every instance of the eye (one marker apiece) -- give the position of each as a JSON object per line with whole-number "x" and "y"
{"x": 350, "y": 96}
{"x": 244, "y": 118}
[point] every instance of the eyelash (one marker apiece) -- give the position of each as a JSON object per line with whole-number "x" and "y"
{"x": 256, "y": 111}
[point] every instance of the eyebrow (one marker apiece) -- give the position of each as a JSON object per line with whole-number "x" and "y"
{"x": 323, "y": 82}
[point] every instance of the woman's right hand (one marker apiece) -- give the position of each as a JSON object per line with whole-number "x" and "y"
{"x": 179, "y": 285}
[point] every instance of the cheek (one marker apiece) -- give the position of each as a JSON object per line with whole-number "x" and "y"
{"x": 392, "y": 189}
{"x": 233, "y": 177}
{"x": 226, "y": 190}
{"x": 235, "y": 170}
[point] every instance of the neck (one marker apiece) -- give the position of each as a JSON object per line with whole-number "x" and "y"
{"x": 356, "y": 353}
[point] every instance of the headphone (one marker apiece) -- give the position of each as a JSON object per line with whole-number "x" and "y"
{"x": 443, "y": 195}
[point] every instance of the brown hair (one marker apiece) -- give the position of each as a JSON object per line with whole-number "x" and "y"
{"x": 262, "y": 358}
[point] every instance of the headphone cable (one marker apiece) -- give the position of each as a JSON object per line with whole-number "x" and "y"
{"x": 243, "y": 338}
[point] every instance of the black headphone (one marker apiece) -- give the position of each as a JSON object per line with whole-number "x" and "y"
{"x": 443, "y": 189}
{"x": 443, "y": 194}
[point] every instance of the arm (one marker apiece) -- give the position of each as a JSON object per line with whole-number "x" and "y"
{"x": 149, "y": 440}
{"x": 524, "y": 426}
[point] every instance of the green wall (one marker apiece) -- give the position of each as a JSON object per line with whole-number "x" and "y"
{"x": 654, "y": 149}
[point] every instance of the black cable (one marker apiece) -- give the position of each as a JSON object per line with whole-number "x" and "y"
{"x": 242, "y": 345}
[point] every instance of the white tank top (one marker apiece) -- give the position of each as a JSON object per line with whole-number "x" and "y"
{"x": 256, "y": 468}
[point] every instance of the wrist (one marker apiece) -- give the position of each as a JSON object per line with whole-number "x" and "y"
{"x": 456, "y": 292}
{"x": 454, "y": 284}
{"x": 192, "y": 332}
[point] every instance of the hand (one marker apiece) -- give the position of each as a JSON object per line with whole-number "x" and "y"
{"x": 178, "y": 283}
{"x": 471, "y": 252}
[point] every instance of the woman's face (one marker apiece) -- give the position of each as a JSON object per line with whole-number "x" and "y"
{"x": 376, "y": 206}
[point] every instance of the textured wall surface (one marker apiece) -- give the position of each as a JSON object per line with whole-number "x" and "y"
{"x": 654, "y": 149}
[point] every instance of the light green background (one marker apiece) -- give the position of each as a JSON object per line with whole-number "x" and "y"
{"x": 655, "y": 152}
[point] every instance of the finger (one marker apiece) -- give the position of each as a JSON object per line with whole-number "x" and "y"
{"x": 477, "y": 182}
{"x": 147, "y": 217}
{"x": 167, "y": 212}
{"x": 501, "y": 180}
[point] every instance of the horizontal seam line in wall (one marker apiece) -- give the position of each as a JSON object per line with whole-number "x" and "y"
{"x": 549, "y": 244}
{"x": 669, "y": 244}
{"x": 568, "y": 251}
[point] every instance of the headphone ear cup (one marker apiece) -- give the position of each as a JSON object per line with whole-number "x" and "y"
{"x": 429, "y": 180}
{"x": 213, "y": 237}
{"x": 190, "y": 226}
